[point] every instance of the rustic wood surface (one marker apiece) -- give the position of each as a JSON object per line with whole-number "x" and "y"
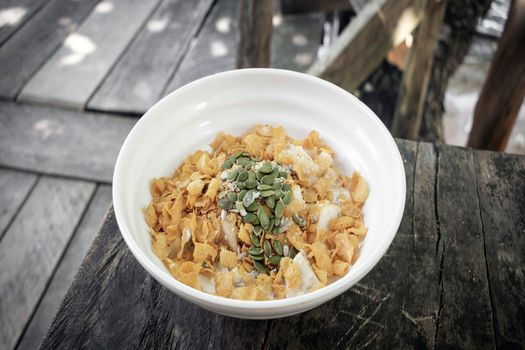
{"x": 32, "y": 246}
{"x": 61, "y": 142}
{"x": 431, "y": 289}
{"x": 139, "y": 78}
{"x": 88, "y": 54}
{"x": 19, "y": 11}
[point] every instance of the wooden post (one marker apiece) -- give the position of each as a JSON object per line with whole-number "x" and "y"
{"x": 414, "y": 86}
{"x": 504, "y": 88}
{"x": 255, "y": 33}
{"x": 364, "y": 43}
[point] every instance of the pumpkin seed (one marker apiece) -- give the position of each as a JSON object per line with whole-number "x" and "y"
{"x": 266, "y": 168}
{"x": 275, "y": 229}
{"x": 277, "y": 185}
{"x": 264, "y": 187}
{"x": 267, "y": 248}
{"x": 279, "y": 209}
{"x": 277, "y": 221}
{"x": 232, "y": 196}
{"x": 283, "y": 174}
{"x": 255, "y": 240}
{"x": 240, "y": 208}
{"x": 263, "y": 218}
{"x": 257, "y": 230}
{"x": 287, "y": 198}
{"x": 251, "y": 176}
{"x": 250, "y": 184}
{"x": 292, "y": 253}
{"x": 256, "y": 221}
{"x": 299, "y": 220}
{"x": 267, "y": 193}
{"x": 278, "y": 246}
{"x": 249, "y": 218}
{"x": 225, "y": 204}
{"x": 270, "y": 202}
{"x": 259, "y": 175}
{"x": 272, "y": 222}
{"x": 240, "y": 185}
{"x": 286, "y": 187}
{"x": 255, "y": 251}
{"x": 259, "y": 266}
{"x": 275, "y": 260}
{"x": 232, "y": 175}
{"x": 243, "y": 161}
{"x": 228, "y": 163}
{"x": 241, "y": 195}
{"x": 278, "y": 194}
{"x": 268, "y": 180}
{"x": 248, "y": 198}
{"x": 243, "y": 176}
{"x": 257, "y": 257}
{"x": 252, "y": 207}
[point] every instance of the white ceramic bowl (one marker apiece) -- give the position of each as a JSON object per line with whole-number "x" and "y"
{"x": 189, "y": 118}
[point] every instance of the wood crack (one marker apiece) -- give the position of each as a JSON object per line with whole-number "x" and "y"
{"x": 439, "y": 246}
{"x": 265, "y": 345}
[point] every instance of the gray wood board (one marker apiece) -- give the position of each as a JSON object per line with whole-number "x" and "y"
{"x": 66, "y": 270}
{"x": 295, "y": 40}
{"x": 15, "y": 13}
{"x": 63, "y": 142}
{"x": 14, "y": 188}
{"x": 32, "y": 247}
{"x": 25, "y": 52}
{"x": 465, "y": 315}
{"x": 88, "y": 54}
{"x": 114, "y": 303}
{"x": 501, "y": 188}
{"x": 141, "y": 75}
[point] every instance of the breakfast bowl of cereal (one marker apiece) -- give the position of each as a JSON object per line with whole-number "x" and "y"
{"x": 259, "y": 193}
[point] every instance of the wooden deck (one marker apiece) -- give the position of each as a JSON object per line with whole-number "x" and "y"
{"x": 75, "y": 75}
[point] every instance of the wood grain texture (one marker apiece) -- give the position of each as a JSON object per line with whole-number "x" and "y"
{"x": 14, "y": 188}
{"x": 67, "y": 268}
{"x": 364, "y": 43}
{"x": 25, "y": 52}
{"x": 15, "y": 14}
{"x": 214, "y": 48}
{"x": 141, "y": 75}
{"x": 114, "y": 303}
{"x": 32, "y": 247}
{"x": 501, "y": 189}
{"x": 305, "y": 6}
{"x": 254, "y": 33}
{"x": 56, "y": 141}
{"x": 465, "y": 316}
{"x": 88, "y": 54}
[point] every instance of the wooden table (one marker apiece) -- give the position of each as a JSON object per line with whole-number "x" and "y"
{"x": 453, "y": 277}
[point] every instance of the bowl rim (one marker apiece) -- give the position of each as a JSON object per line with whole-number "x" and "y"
{"x": 323, "y": 294}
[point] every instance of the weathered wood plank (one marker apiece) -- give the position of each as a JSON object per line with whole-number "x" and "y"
{"x": 14, "y": 14}
{"x": 56, "y": 141}
{"x": 304, "y": 6}
{"x": 408, "y": 115}
{"x": 88, "y": 54}
{"x": 14, "y": 188}
{"x": 384, "y": 310}
{"x": 254, "y": 34}
{"x": 111, "y": 279}
{"x": 295, "y": 41}
{"x": 32, "y": 247}
{"x": 501, "y": 189}
{"x": 30, "y": 47}
{"x": 465, "y": 317}
{"x": 364, "y": 43}
{"x": 66, "y": 270}
{"x": 140, "y": 77}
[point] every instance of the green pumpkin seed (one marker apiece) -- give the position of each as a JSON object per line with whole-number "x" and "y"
{"x": 279, "y": 209}
{"x": 267, "y": 248}
{"x": 275, "y": 230}
{"x": 278, "y": 246}
{"x": 243, "y": 161}
{"x": 272, "y": 222}
{"x": 287, "y": 198}
{"x": 257, "y": 230}
{"x": 292, "y": 253}
{"x": 228, "y": 163}
{"x": 241, "y": 195}
{"x": 255, "y": 240}
{"x": 268, "y": 180}
{"x": 264, "y": 187}
{"x": 263, "y": 218}
{"x": 277, "y": 185}
{"x": 259, "y": 266}
{"x": 267, "y": 193}
{"x": 275, "y": 260}
{"x": 240, "y": 185}
{"x": 286, "y": 187}
{"x": 277, "y": 221}
{"x": 259, "y": 175}
{"x": 249, "y": 218}
{"x": 252, "y": 207}
{"x": 251, "y": 176}
{"x": 270, "y": 202}
{"x": 255, "y": 251}
{"x": 243, "y": 176}
{"x": 225, "y": 204}
{"x": 240, "y": 208}
{"x": 256, "y": 221}
{"x": 278, "y": 194}
{"x": 232, "y": 175}
{"x": 266, "y": 168}
{"x": 248, "y": 198}
{"x": 283, "y": 174}
{"x": 232, "y": 196}
{"x": 299, "y": 220}
{"x": 257, "y": 257}
{"x": 250, "y": 184}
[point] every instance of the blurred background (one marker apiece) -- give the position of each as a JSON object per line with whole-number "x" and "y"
{"x": 75, "y": 76}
